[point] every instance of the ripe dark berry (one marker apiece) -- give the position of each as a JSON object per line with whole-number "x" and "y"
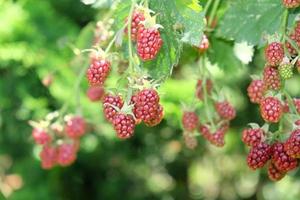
{"x": 98, "y": 71}
{"x": 271, "y": 109}
{"x": 66, "y": 154}
{"x": 259, "y": 156}
{"x": 158, "y": 119}
{"x": 252, "y": 136}
{"x": 271, "y": 78}
{"x": 281, "y": 160}
{"x": 137, "y": 18}
{"x": 190, "y": 121}
{"x": 190, "y": 141}
{"x": 225, "y": 110}
{"x": 274, "y": 53}
{"x": 199, "y": 88}
{"x": 256, "y": 91}
{"x": 204, "y": 45}
{"x": 124, "y": 125}
{"x": 40, "y": 136}
{"x": 292, "y": 144}
{"x": 147, "y": 105}
{"x": 275, "y": 174}
{"x": 286, "y": 70}
{"x": 75, "y": 127}
{"x": 291, "y": 3}
{"x": 95, "y": 93}
{"x": 48, "y": 157}
{"x": 108, "y": 110}
{"x": 149, "y": 42}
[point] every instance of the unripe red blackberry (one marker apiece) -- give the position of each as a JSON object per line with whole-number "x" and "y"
{"x": 137, "y": 18}
{"x": 75, "y": 127}
{"x": 295, "y": 37}
{"x": 271, "y": 78}
{"x": 218, "y": 137}
{"x": 256, "y": 91}
{"x": 274, "y": 174}
{"x": 297, "y": 122}
{"x": 291, "y": 3}
{"x": 190, "y": 141}
{"x": 48, "y": 157}
{"x": 292, "y": 144}
{"x": 199, "y": 88}
{"x": 66, "y": 154}
{"x": 274, "y": 53}
{"x": 281, "y": 160}
{"x": 124, "y": 125}
{"x": 40, "y": 136}
{"x": 95, "y": 93}
{"x": 147, "y": 105}
{"x": 98, "y": 71}
{"x": 259, "y": 156}
{"x": 252, "y": 136}
{"x": 190, "y": 121}
{"x": 108, "y": 110}
{"x": 297, "y": 104}
{"x": 205, "y": 132}
{"x": 204, "y": 44}
{"x": 149, "y": 42}
{"x": 158, "y": 119}
{"x": 225, "y": 110}
{"x": 271, "y": 109}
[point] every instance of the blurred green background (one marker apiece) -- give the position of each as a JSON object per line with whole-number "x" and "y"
{"x": 37, "y": 38}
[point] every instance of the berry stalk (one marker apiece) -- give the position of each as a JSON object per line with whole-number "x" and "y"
{"x": 213, "y": 12}
{"x": 129, "y": 36}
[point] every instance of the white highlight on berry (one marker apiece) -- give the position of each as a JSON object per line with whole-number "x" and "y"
{"x": 244, "y": 52}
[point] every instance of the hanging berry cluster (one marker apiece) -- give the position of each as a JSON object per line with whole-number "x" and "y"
{"x": 60, "y": 139}
{"x": 141, "y": 101}
{"x": 279, "y": 148}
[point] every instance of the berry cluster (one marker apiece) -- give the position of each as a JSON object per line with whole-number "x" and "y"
{"x": 281, "y": 147}
{"x": 213, "y": 130}
{"x": 59, "y": 141}
{"x": 291, "y": 3}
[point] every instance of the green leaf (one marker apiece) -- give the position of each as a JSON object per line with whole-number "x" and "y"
{"x": 250, "y": 20}
{"x": 169, "y": 54}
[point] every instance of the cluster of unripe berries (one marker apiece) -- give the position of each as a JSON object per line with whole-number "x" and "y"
{"x": 291, "y": 3}
{"x": 225, "y": 112}
{"x": 60, "y": 142}
{"x": 281, "y": 147}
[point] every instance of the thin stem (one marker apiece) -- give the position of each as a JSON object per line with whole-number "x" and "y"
{"x": 293, "y": 44}
{"x": 213, "y": 12}
{"x": 290, "y": 102}
{"x": 129, "y": 36}
{"x": 207, "y": 5}
{"x": 284, "y": 24}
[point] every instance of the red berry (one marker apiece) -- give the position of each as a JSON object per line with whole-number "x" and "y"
{"x": 199, "y": 88}
{"x": 292, "y": 144}
{"x": 48, "y": 157}
{"x": 225, "y": 110}
{"x": 75, "y": 127}
{"x": 205, "y": 132}
{"x": 274, "y": 53}
{"x": 252, "y": 136}
{"x": 149, "y": 42}
{"x": 124, "y": 125}
{"x": 281, "y": 160}
{"x": 291, "y": 3}
{"x": 40, "y": 136}
{"x": 297, "y": 104}
{"x": 271, "y": 78}
{"x": 275, "y": 174}
{"x": 204, "y": 45}
{"x": 256, "y": 91}
{"x": 190, "y": 141}
{"x": 66, "y": 154}
{"x": 271, "y": 109}
{"x": 190, "y": 121}
{"x": 157, "y": 120}
{"x": 147, "y": 105}
{"x": 259, "y": 155}
{"x": 137, "y": 18}
{"x": 218, "y": 137}
{"x": 98, "y": 71}
{"x": 95, "y": 93}
{"x": 297, "y": 122}
{"x": 109, "y": 111}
